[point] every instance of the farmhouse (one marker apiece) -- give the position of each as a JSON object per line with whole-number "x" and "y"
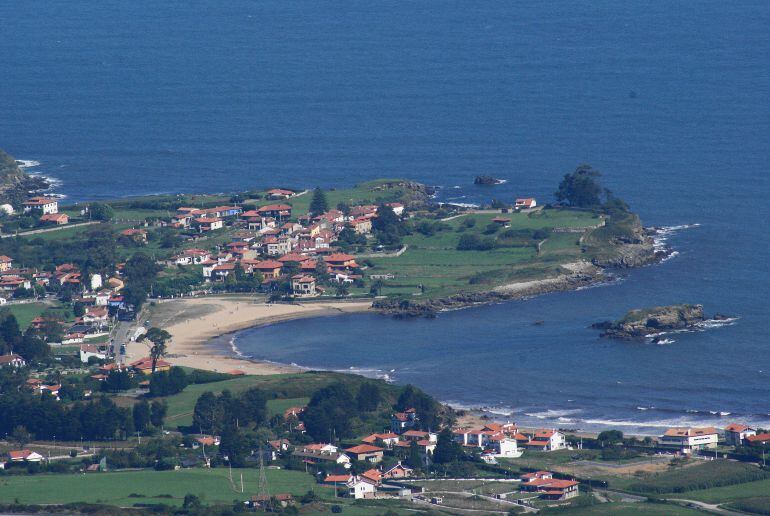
{"x": 24, "y": 456}
{"x": 366, "y": 452}
{"x": 524, "y": 204}
{"x": 547, "y": 440}
{"x": 57, "y": 219}
{"x": 144, "y": 365}
{"x": 137, "y": 235}
{"x": 278, "y": 193}
{"x": 311, "y": 455}
{"x": 276, "y": 211}
{"x": 551, "y": 488}
{"x": 209, "y": 224}
{"x": 12, "y": 360}
{"x": 758, "y": 439}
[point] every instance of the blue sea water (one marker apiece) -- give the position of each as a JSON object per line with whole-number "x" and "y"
{"x": 670, "y": 99}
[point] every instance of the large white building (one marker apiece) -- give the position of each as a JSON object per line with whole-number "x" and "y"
{"x": 689, "y": 439}
{"x": 45, "y": 205}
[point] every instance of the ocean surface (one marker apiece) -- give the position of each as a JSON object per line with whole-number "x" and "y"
{"x": 670, "y": 99}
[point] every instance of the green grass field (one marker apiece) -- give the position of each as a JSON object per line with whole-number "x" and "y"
{"x": 281, "y": 405}
{"x": 287, "y": 389}
{"x": 211, "y": 485}
{"x": 629, "y": 509}
{"x": 24, "y": 313}
{"x": 435, "y": 262}
{"x": 699, "y": 477}
{"x": 727, "y": 493}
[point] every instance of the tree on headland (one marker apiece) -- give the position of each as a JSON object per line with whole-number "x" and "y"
{"x": 158, "y": 337}
{"x": 319, "y": 204}
{"x": 580, "y": 188}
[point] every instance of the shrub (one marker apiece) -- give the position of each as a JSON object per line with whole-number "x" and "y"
{"x": 475, "y": 243}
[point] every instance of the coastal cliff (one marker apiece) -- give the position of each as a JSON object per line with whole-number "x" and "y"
{"x": 15, "y": 184}
{"x": 622, "y": 243}
{"x": 640, "y": 323}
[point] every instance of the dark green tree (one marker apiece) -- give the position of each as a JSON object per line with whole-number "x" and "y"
{"x": 581, "y": 188}
{"x": 319, "y": 204}
{"x": 158, "y": 337}
{"x": 158, "y": 411}
{"x": 368, "y": 397}
{"x": 253, "y": 406}
{"x": 415, "y": 458}
{"x": 234, "y": 445}
{"x": 78, "y": 309}
{"x": 610, "y": 437}
{"x": 329, "y": 412}
{"x": 447, "y": 449}
{"x": 101, "y": 211}
{"x": 141, "y": 413}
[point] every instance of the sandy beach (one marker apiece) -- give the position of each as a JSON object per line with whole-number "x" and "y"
{"x": 193, "y": 322}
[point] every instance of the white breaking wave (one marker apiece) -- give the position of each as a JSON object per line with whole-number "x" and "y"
{"x": 27, "y": 163}
{"x": 553, "y": 414}
{"x": 461, "y": 204}
{"x": 660, "y": 239}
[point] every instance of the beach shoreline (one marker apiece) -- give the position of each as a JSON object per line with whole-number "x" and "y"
{"x": 194, "y": 324}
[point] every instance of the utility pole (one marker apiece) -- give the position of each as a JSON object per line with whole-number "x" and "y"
{"x": 263, "y": 491}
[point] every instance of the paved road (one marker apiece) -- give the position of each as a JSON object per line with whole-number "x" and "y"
{"x": 709, "y": 507}
{"x": 48, "y": 230}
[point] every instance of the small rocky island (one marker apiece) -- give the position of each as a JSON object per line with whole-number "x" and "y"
{"x": 641, "y": 323}
{"x": 487, "y": 181}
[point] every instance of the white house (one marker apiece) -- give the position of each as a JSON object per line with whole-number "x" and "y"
{"x": 192, "y": 257}
{"x": 96, "y": 281}
{"x": 736, "y": 433}
{"x": 525, "y": 204}
{"x": 89, "y": 350}
{"x": 689, "y": 439}
{"x": 547, "y": 440}
{"x": 361, "y": 487}
{"x": 24, "y": 456}
{"x": 45, "y": 205}
{"x": 12, "y": 360}
{"x": 504, "y": 446}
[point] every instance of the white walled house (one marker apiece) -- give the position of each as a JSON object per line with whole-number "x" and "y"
{"x": 689, "y": 439}
{"x": 547, "y": 440}
{"x": 42, "y": 204}
{"x": 361, "y": 487}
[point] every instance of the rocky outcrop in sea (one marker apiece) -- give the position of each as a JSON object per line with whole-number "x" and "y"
{"x": 641, "y": 323}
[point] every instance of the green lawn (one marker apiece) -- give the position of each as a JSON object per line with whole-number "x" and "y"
{"x": 287, "y": 390}
{"x": 435, "y": 262}
{"x": 726, "y": 493}
{"x": 688, "y": 481}
{"x": 279, "y": 406}
{"x": 24, "y": 313}
{"x": 629, "y": 509}
{"x": 211, "y": 485}
{"x": 59, "y": 234}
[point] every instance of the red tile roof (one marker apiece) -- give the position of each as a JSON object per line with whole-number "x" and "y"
{"x": 364, "y": 448}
